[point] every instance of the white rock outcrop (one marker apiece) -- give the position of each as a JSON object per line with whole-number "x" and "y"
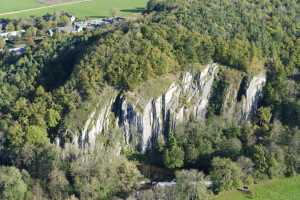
{"x": 184, "y": 98}
{"x": 253, "y": 95}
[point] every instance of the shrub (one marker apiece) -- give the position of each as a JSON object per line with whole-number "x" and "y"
{"x": 12, "y": 186}
{"x": 225, "y": 174}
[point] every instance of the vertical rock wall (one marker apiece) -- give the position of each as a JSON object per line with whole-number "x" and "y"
{"x": 188, "y": 97}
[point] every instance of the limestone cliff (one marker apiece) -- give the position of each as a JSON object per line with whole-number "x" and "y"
{"x": 145, "y": 118}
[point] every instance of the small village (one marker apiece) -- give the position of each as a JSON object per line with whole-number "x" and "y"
{"x": 14, "y": 42}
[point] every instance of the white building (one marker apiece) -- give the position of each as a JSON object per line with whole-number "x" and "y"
{"x": 12, "y": 34}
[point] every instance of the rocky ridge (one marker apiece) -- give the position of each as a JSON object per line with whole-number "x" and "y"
{"x": 185, "y": 98}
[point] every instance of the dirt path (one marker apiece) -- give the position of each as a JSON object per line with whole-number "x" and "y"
{"x": 44, "y": 7}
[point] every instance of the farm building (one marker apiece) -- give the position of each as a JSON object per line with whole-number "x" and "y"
{"x": 13, "y": 34}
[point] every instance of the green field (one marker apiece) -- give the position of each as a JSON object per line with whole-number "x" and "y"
{"x": 79, "y": 8}
{"x": 285, "y": 189}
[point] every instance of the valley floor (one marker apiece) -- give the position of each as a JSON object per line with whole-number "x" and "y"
{"x": 280, "y": 189}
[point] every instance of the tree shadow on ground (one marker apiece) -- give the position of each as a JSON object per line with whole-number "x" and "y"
{"x": 134, "y": 10}
{"x": 95, "y": 16}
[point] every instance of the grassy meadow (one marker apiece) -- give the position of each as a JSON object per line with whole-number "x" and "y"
{"x": 284, "y": 189}
{"x": 92, "y": 8}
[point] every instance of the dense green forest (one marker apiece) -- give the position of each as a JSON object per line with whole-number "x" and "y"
{"x": 56, "y": 76}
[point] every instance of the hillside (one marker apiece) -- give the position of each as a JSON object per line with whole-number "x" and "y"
{"x": 189, "y": 100}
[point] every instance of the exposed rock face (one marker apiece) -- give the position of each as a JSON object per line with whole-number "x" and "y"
{"x": 140, "y": 126}
{"x": 162, "y": 113}
{"x": 254, "y": 94}
{"x": 97, "y": 122}
{"x": 189, "y": 97}
{"x": 240, "y": 103}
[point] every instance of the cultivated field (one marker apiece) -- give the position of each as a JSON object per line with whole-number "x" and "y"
{"x": 285, "y": 189}
{"x": 80, "y": 8}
